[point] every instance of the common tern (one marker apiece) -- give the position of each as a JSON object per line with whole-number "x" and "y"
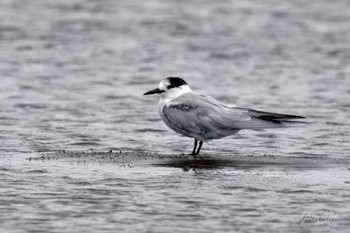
{"x": 204, "y": 118}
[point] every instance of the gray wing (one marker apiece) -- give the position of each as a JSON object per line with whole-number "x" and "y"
{"x": 203, "y": 117}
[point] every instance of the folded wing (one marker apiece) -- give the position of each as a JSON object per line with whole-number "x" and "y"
{"x": 203, "y": 117}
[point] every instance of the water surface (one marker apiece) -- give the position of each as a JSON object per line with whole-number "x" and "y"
{"x": 72, "y": 76}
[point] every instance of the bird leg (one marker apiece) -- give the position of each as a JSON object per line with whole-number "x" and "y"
{"x": 199, "y": 147}
{"x": 194, "y": 147}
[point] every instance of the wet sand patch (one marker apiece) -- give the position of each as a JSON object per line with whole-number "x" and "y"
{"x": 204, "y": 161}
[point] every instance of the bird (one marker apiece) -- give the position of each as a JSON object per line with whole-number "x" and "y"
{"x": 205, "y": 118}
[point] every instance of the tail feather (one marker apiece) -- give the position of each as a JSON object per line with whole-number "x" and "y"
{"x": 275, "y": 117}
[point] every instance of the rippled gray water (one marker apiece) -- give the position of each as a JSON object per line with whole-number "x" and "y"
{"x": 72, "y": 75}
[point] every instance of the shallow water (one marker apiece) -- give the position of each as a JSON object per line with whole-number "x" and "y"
{"x": 72, "y": 76}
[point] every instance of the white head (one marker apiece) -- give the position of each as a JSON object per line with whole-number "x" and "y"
{"x": 170, "y": 87}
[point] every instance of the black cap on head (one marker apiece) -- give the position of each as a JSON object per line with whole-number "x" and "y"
{"x": 175, "y": 82}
